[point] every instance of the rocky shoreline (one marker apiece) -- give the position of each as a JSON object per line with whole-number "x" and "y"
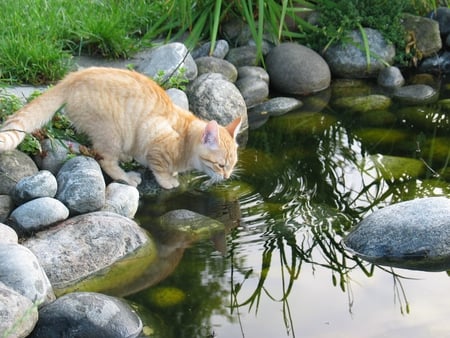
{"x": 76, "y": 228}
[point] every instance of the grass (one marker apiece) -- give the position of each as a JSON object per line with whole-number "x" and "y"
{"x": 39, "y": 37}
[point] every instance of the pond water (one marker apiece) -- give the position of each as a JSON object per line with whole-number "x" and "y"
{"x": 280, "y": 270}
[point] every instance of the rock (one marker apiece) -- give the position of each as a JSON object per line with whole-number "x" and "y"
{"x": 276, "y": 106}
{"x": 296, "y": 69}
{"x": 6, "y": 206}
{"x": 38, "y": 214}
{"x": 253, "y": 72}
{"x": 178, "y": 97}
{"x": 390, "y": 77}
{"x": 361, "y": 104}
{"x": 18, "y": 314}
{"x": 423, "y": 117}
{"x": 442, "y": 16}
{"x": 14, "y": 165}
{"x": 87, "y": 315}
{"x": 412, "y": 235}
{"x": 122, "y": 199}
{"x": 427, "y": 37}
{"x": 55, "y": 153}
{"x": 438, "y": 64}
{"x": 81, "y": 186}
{"x": 7, "y": 234}
{"x": 416, "y": 94}
{"x": 220, "y": 50}
{"x": 169, "y": 59}
{"x": 253, "y": 90}
{"x": 348, "y": 61}
{"x": 209, "y": 64}
{"x": 98, "y": 251}
{"x": 394, "y": 167}
{"x": 212, "y": 97}
{"x": 42, "y": 184}
{"x": 243, "y": 56}
{"x": 21, "y": 271}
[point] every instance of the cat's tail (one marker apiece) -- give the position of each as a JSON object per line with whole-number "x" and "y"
{"x": 31, "y": 117}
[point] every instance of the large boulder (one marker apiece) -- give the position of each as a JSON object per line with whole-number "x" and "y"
{"x": 413, "y": 235}
{"x": 296, "y": 69}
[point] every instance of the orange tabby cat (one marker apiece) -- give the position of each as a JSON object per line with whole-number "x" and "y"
{"x": 127, "y": 115}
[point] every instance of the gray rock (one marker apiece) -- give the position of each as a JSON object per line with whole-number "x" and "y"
{"x": 276, "y": 106}
{"x": 243, "y": 56}
{"x": 169, "y": 59}
{"x": 390, "y": 77}
{"x": 38, "y": 214}
{"x": 87, "y": 315}
{"x": 439, "y": 64}
{"x": 54, "y": 153}
{"x": 296, "y": 69}
{"x": 122, "y": 199}
{"x": 413, "y": 235}
{"x": 178, "y": 97}
{"x": 6, "y": 206}
{"x": 213, "y": 97}
{"x": 42, "y": 184}
{"x": 209, "y": 64}
{"x": 18, "y": 314}
{"x": 21, "y": 271}
{"x": 7, "y": 234}
{"x": 254, "y": 72}
{"x": 426, "y": 34}
{"x": 348, "y": 61}
{"x": 81, "y": 186}
{"x": 254, "y": 90}
{"x": 14, "y": 165}
{"x": 442, "y": 16}
{"x": 78, "y": 248}
{"x": 416, "y": 94}
{"x": 220, "y": 50}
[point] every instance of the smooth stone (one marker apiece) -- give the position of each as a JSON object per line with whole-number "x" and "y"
{"x": 18, "y": 314}
{"x": 81, "y": 186}
{"x": 362, "y": 104}
{"x": 169, "y": 59}
{"x": 442, "y": 16}
{"x": 243, "y": 56}
{"x": 42, "y": 184}
{"x": 253, "y": 90}
{"x": 297, "y": 69}
{"x": 412, "y": 235}
{"x": 178, "y": 97}
{"x": 209, "y": 64}
{"x": 20, "y": 270}
{"x": 425, "y": 117}
{"x": 427, "y": 36}
{"x": 213, "y": 97}
{"x": 221, "y": 49}
{"x": 121, "y": 199}
{"x": 416, "y": 94}
{"x": 14, "y": 165}
{"x": 6, "y": 206}
{"x": 390, "y": 77}
{"x": 253, "y": 72}
{"x": 276, "y": 106}
{"x": 38, "y": 214}
{"x": 348, "y": 61}
{"x": 87, "y": 315}
{"x": 54, "y": 153}
{"x": 438, "y": 64}
{"x": 8, "y": 235}
{"x": 98, "y": 251}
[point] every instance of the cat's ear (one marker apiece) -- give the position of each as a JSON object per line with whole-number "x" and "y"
{"x": 234, "y": 126}
{"x": 210, "y": 135}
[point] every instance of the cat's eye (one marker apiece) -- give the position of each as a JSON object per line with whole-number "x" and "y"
{"x": 221, "y": 165}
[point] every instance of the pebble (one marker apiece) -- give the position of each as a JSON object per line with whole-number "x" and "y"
{"x": 42, "y": 184}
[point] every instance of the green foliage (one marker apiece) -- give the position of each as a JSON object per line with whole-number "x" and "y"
{"x": 177, "y": 80}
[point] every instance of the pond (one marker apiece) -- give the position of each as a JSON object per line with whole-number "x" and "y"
{"x": 280, "y": 270}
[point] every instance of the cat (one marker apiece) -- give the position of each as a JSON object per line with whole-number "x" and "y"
{"x": 126, "y": 115}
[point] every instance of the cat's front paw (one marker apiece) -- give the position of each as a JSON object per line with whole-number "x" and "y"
{"x": 134, "y": 178}
{"x": 167, "y": 181}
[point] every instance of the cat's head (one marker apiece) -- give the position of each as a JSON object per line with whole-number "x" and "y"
{"x": 217, "y": 153}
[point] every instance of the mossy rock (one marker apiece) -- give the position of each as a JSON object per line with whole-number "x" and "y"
{"x": 395, "y": 167}
{"x": 377, "y": 118}
{"x": 351, "y": 87}
{"x": 423, "y": 188}
{"x": 424, "y": 117}
{"x": 381, "y": 139}
{"x": 436, "y": 151}
{"x": 361, "y": 104}
{"x": 304, "y": 123}
{"x": 164, "y": 296}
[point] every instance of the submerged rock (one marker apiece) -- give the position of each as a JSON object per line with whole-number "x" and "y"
{"x": 87, "y": 315}
{"x": 412, "y": 235}
{"x": 361, "y": 104}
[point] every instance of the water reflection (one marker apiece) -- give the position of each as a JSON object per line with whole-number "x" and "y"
{"x": 305, "y": 179}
